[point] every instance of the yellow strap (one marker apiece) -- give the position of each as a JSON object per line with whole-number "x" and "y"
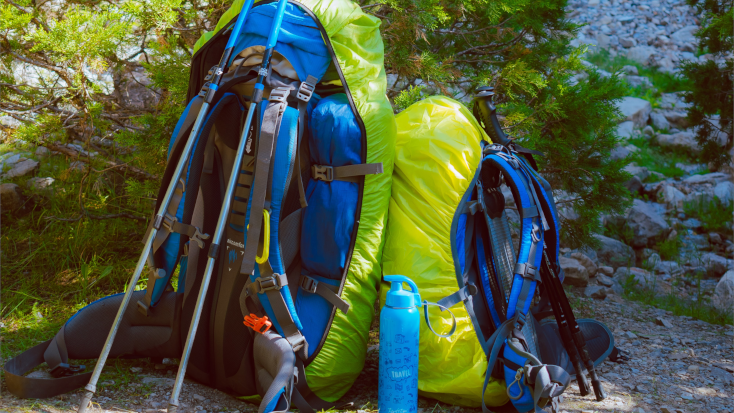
{"x": 266, "y": 236}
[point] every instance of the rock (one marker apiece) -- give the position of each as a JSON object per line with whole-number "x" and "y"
{"x": 199, "y": 397}
{"x": 671, "y": 196}
{"x": 604, "y": 280}
{"x": 628, "y": 42}
{"x": 42, "y": 185}
{"x": 630, "y": 70}
{"x": 614, "y": 253}
{"x": 677, "y": 118}
{"x": 586, "y": 262}
{"x": 663, "y": 322}
{"x": 619, "y": 152}
{"x": 42, "y": 152}
{"x": 10, "y": 199}
{"x": 716, "y": 265}
{"x": 134, "y": 88}
{"x": 625, "y": 129}
{"x": 576, "y": 273}
{"x": 630, "y": 335}
{"x": 668, "y": 267}
{"x": 22, "y": 168}
{"x": 158, "y": 381}
{"x": 641, "y": 54}
{"x": 725, "y": 192}
{"x": 39, "y": 374}
{"x": 706, "y": 178}
{"x": 605, "y": 270}
{"x": 636, "y": 81}
{"x": 596, "y": 291}
{"x": 648, "y": 131}
{"x": 636, "y": 110}
{"x": 692, "y": 223}
{"x": 136, "y": 369}
{"x": 638, "y": 171}
{"x": 78, "y": 166}
{"x": 685, "y": 35}
{"x": 715, "y": 238}
{"x": 659, "y": 121}
{"x": 683, "y": 140}
{"x": 646, "y": 223}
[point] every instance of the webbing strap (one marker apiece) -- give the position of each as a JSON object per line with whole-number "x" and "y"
{"x": 268, "y": 131}
{"x": 349, "y": 173}
{"x": 178, "y": 194}
{"x": 327, "y": 291}
{"x": 38, "y": 388}
{"x": 304, "y": 96}
{"x": 457, "y": 297}
{"x": 495, "y": 341}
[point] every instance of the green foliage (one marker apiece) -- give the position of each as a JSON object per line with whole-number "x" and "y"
{"x": 658, "y": 159}
{"x": 407, "y": 97}
{"x": 712, "y": 92}
{"x": 522, "y": 49}
{"x": 713, "y": 214}
{"x": 670, "y": 249}
{"x": 662, "y": 81}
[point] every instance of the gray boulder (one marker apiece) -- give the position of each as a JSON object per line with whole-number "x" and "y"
{"x": 685, "y": 35}
{"x": 677, "y": 118}
{"x": 604, "y": 280}
{"x": 10, "y": 199}
{"x": 22, "y": 168}
{"x": 711, "y": 178}
{"x": 715, "y": 265}
{"x": 646, "y": 223}
{"x": 605, "y": 270}
{"x": 42, "y": 185}
{"x": 630, "y": 70}
{"x": 641, "y": 54}
{"x": 614, "y": 253}
{"x": 42, "y": 152}
{"x": 576, "y": 273}
{"x": 599, "y": 292}
{"x": 724, "y": 191}
{"x": 636, "y": 110}
{"x": 683, "y": 140}
{"x": 619, "y": 152}
{"x": 625, "y": 129}
{"x": 659, "y": 121}
{"x": 586, "y": 262}
{"x": 668, "y": 267}
{"x": 671, "y": 196}
{"x": 723, "y": 298}
{"x": 636, "y": 170}
{"x": 635, "y": 81}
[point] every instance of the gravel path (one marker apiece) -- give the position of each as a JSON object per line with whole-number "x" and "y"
{"x": 677, "y": 363}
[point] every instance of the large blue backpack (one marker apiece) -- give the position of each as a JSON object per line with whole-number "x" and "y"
{"x": 321, "y": 203}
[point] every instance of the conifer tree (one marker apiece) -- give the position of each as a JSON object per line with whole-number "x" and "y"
{"x": 64, "y": 67}
{"x": 712, "y": 93}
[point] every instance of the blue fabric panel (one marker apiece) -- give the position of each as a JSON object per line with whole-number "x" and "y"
{"x": 524, "y": 403}
{"x": 460, "y": 242}
{"x": 484, "y": 277}
{"x": 274, "y": 403}
{"x": 314, "y": 312}
{"x": 328, "y": 221}
{"x": 283, "y": 154}
{"x": 299, "y": 39}
{"x": 179, "y": 125}
{"x": 172, "y": 246}
{"x": 182, "y": 266}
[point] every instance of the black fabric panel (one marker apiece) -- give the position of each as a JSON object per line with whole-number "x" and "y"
{"x": 598, "y": 340}
{"x": 203, "y": 60}
{"x": 138, "y": 336}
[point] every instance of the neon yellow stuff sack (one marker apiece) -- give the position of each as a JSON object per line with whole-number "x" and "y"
{"x": 436, "y": 156}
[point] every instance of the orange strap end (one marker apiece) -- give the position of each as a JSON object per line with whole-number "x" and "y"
{"x": 258, "y": 324}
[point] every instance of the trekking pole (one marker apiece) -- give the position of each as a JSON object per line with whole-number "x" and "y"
{"x": 563, "y": 327}
{"x": 578, "y": 336}
{"x": 173, "y": 403}
{"x": 216, "y": 76}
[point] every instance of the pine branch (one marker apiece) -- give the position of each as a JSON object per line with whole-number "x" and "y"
{"x": 111, "y": 164}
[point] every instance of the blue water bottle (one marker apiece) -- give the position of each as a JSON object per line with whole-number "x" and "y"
{"x": 399, "y": 331}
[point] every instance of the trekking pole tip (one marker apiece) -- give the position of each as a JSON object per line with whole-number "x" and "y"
{"x": 172, "y": 408}
{"x": 599, "y": 390}
{"x": 86, "y": 401}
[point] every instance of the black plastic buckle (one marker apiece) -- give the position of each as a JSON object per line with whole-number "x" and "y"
{"x": 322, "y": 172}
{"x": 267, "y": 284}
{"x": 64, "y": 370}
{"x": 309, "y": 285}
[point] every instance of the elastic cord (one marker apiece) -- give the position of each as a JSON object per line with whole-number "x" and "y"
{"x": 425, "y": 305}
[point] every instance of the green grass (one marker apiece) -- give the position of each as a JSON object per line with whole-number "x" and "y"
{"x": 669, "y": 249}
{"x": 713, "y": 214}
{"x": 664, "y": 82}
{"x": 657, "y": 159}
{"x": 700, "y": 308}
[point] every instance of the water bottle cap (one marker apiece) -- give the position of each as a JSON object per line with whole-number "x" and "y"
{"x": 397, "y": 297}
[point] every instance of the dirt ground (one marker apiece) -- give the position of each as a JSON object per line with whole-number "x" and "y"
{"x": 677, "y": 365}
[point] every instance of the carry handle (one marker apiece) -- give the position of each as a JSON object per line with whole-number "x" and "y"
{"x": 403, "y": 279}
{"x": 266, "y": 242}
{"x": 428, "y": 322}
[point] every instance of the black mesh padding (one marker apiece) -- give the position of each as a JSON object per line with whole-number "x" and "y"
{"x": 599, "y": 341}
{"x": 138, "y": 335}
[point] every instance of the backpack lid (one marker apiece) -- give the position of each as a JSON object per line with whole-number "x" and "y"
{"x": 399, "y": 298}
